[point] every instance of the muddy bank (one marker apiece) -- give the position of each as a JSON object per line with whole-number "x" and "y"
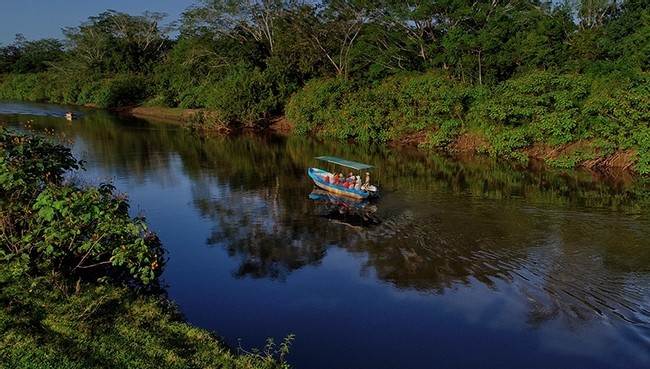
{"x": 280, "y": 124}
{"x": 173, "y": 114}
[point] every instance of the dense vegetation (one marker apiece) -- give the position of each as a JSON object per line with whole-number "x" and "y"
{"x": 79, "y": 278}
{"x": 569, "y": 75}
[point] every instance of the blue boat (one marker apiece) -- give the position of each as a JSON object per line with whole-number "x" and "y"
{"x": 322, "y": 179}
{"x": 329, "y": 197}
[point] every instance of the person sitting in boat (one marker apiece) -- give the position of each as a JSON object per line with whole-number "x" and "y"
{"x": 350, "y": 178}
{"x": 335, "y": 180}
{"x": 357, "y": 185}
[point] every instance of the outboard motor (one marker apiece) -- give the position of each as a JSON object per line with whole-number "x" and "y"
{"x": 372, "y": 190}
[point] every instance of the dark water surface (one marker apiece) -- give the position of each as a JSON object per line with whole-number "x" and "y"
{"x": 460, "y": 264}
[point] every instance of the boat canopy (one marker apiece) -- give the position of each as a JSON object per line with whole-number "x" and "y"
{"x": 345, "y": 163}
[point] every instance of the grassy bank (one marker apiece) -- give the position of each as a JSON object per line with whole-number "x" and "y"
{"x": 80, "y": 279}
{"x": 61, "y": 324}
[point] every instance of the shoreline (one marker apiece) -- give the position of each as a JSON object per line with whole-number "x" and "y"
{"x": 466, "y": 143}
{"x": 182, "y": 115}
{"x": 179, "y": 115}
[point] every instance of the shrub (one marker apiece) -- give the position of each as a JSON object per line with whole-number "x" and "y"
{"x": 399, "y": 105}
{"x": 77, "y": 229}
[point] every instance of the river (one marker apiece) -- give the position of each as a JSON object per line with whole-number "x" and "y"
{"x": 462, "y": 262}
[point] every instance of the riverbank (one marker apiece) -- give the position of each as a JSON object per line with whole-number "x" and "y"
{"x": 80, "y": 279}
{"x": 466, "y": 142}
{"x": 566, "y": 120}
{"x": 173, "y": 114}
{"x": 181, "y": 115}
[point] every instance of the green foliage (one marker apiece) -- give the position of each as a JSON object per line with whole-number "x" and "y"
{"x": 619, "y": 112}
{"x": 549, "y": 108}
{"x": 317, "y": 103}
{"x": 541, "y": 106}
{"x": 114, "y": 42}
{"x": 202, "y": 122}
{"x": 271, "y": 353}
{"x": 245, "y": 93}
{"x": 30, "y": 162}
{"x": 29, "y": 56}
{"x": 120, "y": 90}
{"x": 514, "y": 72}
{"x": 33, "y": 87}
{"x": 399, "y": 105}
{"x": 75, "y": 228}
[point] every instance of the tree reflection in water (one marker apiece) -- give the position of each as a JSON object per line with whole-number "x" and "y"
{"x": 575, "y": 248}
{"x": 551, "y": 256}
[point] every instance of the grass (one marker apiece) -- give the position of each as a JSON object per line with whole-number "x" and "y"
{"x": 51, "y": 323}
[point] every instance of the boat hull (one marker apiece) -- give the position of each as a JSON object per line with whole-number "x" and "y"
{"x": 318, "y": 181}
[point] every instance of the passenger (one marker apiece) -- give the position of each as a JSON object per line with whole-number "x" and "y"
{"x": 366, "y": 184}
{"x": 340, "y": 179}
{"x": 357, "y": 185}
{"x": 335, "y": 180}
{"x": 350, "y": 178}
{"x": 346, "y": 185}
{"x": 327, "y": 179}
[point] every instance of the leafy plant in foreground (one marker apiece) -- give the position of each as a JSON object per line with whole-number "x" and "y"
{"x": 76, "y": 230}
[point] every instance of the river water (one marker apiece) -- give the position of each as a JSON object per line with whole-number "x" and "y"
{"x": 462, "y": 262}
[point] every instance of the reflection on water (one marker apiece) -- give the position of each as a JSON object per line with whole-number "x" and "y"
{"x": 462, "y": 262}
{"x": 348, "y": 211}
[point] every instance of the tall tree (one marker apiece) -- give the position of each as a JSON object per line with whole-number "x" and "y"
{"x": 241, "y": 19}
{"x": 592, "y": 13}
{"x": 334, "y": 30}
{"x": 116, "y": 42}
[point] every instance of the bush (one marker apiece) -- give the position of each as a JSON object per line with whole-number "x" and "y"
{"x": 32, "y": 87}
{"x": 84, "y": 231}
{"x": 399, "y": 105}
{"x": 122, "y": 91}
{"x": 245, "y": 94}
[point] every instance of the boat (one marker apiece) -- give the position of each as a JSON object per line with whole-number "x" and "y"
{"x": 322, "y": 178}
{"x": 345, "y": 201}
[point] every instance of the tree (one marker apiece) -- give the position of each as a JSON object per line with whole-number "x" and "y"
{"x": 115, "y": 42}
{"x": 333, "y": 31}
{"x": 592, "y": 13}
{"x": 10, "y": 54}
{"x": 478, "y": 46}
{"x": 241, "y": 19}
{"x": 542, "y": 36}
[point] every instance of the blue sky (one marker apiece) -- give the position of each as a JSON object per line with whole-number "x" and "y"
{"x": 37, "y": 19}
